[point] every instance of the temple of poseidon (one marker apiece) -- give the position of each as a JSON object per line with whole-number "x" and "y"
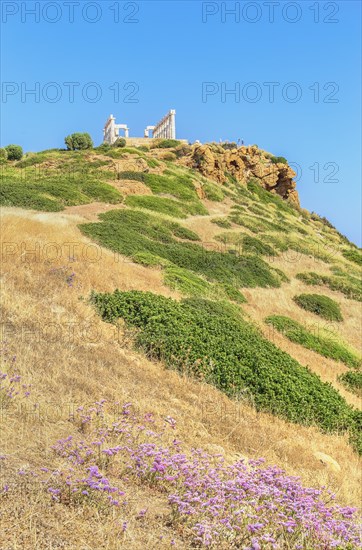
{"x": 164, "y": 129}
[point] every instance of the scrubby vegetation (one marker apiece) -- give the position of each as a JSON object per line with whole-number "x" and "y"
{"x": 276, "y": 160}
{"x": 221, "y": 222}
{"x": 167, "y": 143}
{"x": 180, "y": 187}
{"x": 327, "y": 347}
{"x": 320, "y": 305}
{"x": 213, "y": 192}
{"x": 157, "y": 204}
{"x": 53, "y": 189}
{"x": 353, "y": 381}
{"x": 347, "y": 284}
{"x": 211, "y": 341}
{"x": 130, "y": 232}
{"x": 354, "y": 255}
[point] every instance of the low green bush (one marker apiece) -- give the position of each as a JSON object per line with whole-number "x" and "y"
{"x": 327, "y": 347}
{"x": 353, "y": 255}
{"x": 252, "y": 245}
{"x": 348, "y": 285}
{"x": 213, "y": 192}
{"x": 276, "y": 160}
{"x": 210, "y": 340}
{"x": 222, "y": 222}
{"x": 153, "y": 163}
{"x": 320, "y": 305}
{"x": 120, "y": 142}
{"x": 149, "y": 260}
{"x": 186, "y": 282}
{"x": 352, "y": 381}
{"x": 234, "y": 294}
{"x": 157, "y": 204}
{"x": 131, "y": 175}
{"x": 167, "y": 143}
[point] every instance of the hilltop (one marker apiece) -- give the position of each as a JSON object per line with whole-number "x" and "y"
{"x": 161, "y": 300}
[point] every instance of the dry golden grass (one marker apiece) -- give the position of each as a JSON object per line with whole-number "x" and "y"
{"x": 72, "y": 358}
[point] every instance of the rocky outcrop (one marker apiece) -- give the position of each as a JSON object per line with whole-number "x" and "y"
{"x": 242, "y": 164}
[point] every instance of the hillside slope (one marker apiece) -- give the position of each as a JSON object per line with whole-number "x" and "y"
{"x": 136, "y": 220}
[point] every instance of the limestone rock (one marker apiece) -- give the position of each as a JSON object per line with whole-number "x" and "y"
{"x": 243, "y": 163}
{"x": 328, "y": 461}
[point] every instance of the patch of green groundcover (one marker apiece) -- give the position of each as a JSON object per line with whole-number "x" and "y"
{"x": 211, "y": 340}
{"x": 131, "y": 232}
{"x": 53, "y": 194}
{"x": 355, "y": 255}
{"x": 350, "y": 286}
{"x": 327, "y": 347}
{"x": 180, "y": 187}
{"x": 157, "y": 204}
{"x": 320, "y": 305}
{"x": 170, "y": 207}
{"x": 352, "y": 381}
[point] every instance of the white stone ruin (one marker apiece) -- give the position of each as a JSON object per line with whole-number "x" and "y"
{"x": 165, "y": 129}
{"x": 111, "y": 130}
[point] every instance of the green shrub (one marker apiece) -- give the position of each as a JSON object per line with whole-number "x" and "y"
{"x": 210, "y": 340}
{"x": 353, "y": 381}
{"x": 222, "y": 222}
{"x": 320, "y": 305}
{"x": 213, "y": 192}
{"x": 353, "y": 255}
{"x": 103, "y": 148}
{"x": 120, "y": 142}
{"x": 153, "y": 163}
{"x": 15, "y": 152}
{"x": 276, "y": 160}
{"x": 229, "y": 145}
{"x": 130, "y": 175}
{"x": 167, "y": 143}
{"x": 78, "y": 141}
{"x": 327, "y": 347}
{"x": 252, "y": 245}
{"x": 348, "y": 285}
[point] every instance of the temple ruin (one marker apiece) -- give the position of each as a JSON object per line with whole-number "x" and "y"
{"x": 164, "y": 129}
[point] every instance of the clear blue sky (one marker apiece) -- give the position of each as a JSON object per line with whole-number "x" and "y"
{"x": 168, "y": 50}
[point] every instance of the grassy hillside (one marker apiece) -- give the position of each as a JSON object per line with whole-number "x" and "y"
{"x": 140, "y": 384}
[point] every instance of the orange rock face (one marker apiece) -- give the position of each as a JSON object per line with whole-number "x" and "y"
{"x": 244, "y": 163}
